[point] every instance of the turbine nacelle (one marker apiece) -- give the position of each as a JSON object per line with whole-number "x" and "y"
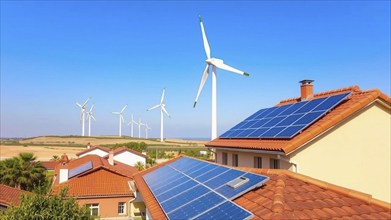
{"x": 213, "y": 61}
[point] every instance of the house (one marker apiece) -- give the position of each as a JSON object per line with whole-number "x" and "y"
{"x": 10, "y": 196}
{"x": 105, "y": 186}
{"x": 349, "y": 145}
{"x": 121, "y": 154}
{"x": 285, "y": 195}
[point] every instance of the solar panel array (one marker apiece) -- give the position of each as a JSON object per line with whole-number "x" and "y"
{"x": 284, "y": 121}
{"x": 192, "y": 189}
{"x": 80, "y": 169}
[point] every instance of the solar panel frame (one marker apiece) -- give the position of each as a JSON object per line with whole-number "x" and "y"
{"x": 286, "y": 121}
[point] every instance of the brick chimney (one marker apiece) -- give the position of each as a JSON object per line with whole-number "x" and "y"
{"x": 307, "y": 89}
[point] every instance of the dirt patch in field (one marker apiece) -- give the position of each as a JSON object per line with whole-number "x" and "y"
{"x": 43, "y": 153}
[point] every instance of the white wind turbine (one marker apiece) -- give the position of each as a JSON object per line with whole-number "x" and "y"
{"x": 131, "y": 123}
{"x": 82, "y": 112}
{"x": 213, "y": 62}
{"x": 89, "y": 116}
{"x": 162, "y": 109}
{"x": 121, "y": 118}
{"x": 139, "y": 127}
{"x": 146, "y": 130}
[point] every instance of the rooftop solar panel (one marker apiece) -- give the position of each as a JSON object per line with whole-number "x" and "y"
{"x": 284, "y": 121}
{"x": 80, "y": 169}
{"x": 199, "y": 189}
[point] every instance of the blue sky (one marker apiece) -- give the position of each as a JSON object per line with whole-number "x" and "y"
{"x": 56, "y": 53}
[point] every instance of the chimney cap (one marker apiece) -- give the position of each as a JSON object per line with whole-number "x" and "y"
{"x": 306, "y": 81}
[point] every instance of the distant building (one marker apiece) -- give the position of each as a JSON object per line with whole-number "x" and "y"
{"x": 102, "y": 185}
{"x": 285, "y": 195}
{"x": 121, "y": 154}
{"x": 10, "y": 196}
{"x": 349, "y": 145}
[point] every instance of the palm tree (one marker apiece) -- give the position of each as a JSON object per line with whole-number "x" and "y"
{"x": 22, "y": 172}
{"x": 139, "y": 165}
{"x": 55, "y": 158}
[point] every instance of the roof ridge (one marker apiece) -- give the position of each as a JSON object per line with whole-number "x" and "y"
{"x": 279, "y": 199}
{"x": 320, "y": 94}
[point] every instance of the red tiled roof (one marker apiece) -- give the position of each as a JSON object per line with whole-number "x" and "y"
{"x": 10, "y": 195}
{"x": 105, "y": 149}
{"x": 289, "y": 195}
{"x": 358, "y": 100}
{"x": 100, "y": 182}
{"x": 49, "y": 165}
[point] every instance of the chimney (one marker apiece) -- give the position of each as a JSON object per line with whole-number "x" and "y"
{"x": 88, "y": 146}
{"x": 63, "y": 175}
{"x": 307, "y": 89}
{"x": 111, "y": 157}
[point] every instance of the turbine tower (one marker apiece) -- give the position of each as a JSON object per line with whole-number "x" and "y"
{"x": 89, "y": 116}
{"x": 131, "y": 123}
{"x": 162, "y": 109}
{"x": 82, "y": 113}
{"x": 213, "y": 62}
{"x": 139, "y": 127}
{"x": 121, "y": 118}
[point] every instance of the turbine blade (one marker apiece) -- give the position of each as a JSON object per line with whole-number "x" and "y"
{"x": 165, "y": 111}
{"x": 156, "y": 106}
{"x": 223, "y": 66}
{"x": 203, "y": 80}
{"x": 117, "y": 113}
{"x": 79, "y": 105}
{"x": 205, "y": 40}
{"x": 85, "y": 103}
{"x": 122, "y": 118}
{"x": 123, "y": 109}
{"x": 92, "y": 107}
{"x": 162, "y": 99}
{"x": 93, "y": 117}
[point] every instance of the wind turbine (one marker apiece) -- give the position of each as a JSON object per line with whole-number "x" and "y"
{"x": 89, "y": 116}
{"x": 82, "y": 111}
{"x": 139, "y": 127}
{"x": 213, "y": 62}
{"x": 162, "y": 109}
{"x": 146, "y": 130}
{"x": 131, "y": 123}
{"x": 121, "y": 118}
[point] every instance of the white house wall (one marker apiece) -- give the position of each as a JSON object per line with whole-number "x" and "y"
{"x": 129, "y": 158}
{"x": 98, "y": 152}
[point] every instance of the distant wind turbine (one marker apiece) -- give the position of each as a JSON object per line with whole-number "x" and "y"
{"x": 89, "y": 116}
{"x": 214, "y": 62}
{"x": 139, "y": 127}
{"x": 162, "y": 109}
{"x": 131, "y": 123}
{"x": 146, "y": 130}
{"x": 82, "y": 112}
{"x": 121, "y": 118}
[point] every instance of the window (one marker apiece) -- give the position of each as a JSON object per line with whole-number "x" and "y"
{"x": 94, "y": 209}
{"x": 121, "y": 208}
{"x": 257, "y": 162}
{"x": 274, "y": 163}
{"x": 234, "y": 160}
{"x": 225, "y": 158}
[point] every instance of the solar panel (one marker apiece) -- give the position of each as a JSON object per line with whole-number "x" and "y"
{"x": 80, "y": 169}
{"x": 198, "y": 189}
{"x": 284, "y": 121}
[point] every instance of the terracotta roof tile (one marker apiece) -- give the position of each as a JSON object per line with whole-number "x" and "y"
{"x": 101, "y": 182}
{"x": 316, "y": 200}
{"x": 49, "y": 165}
{"x": 354, "y": 103}
{"x": 10, "y": 195}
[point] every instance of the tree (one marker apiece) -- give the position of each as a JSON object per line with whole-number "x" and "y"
{"x": 139, "y": 165}
{"x": 22, "y": 172}
{"x": 35, "y": 206}
{"x": 55, "y": 158}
